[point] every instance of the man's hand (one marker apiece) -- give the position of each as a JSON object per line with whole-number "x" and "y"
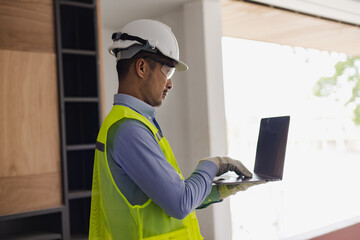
{"x": 225, "y": 191}
{"x": 225, "y": 164}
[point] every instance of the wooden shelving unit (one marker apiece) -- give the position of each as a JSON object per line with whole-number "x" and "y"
{"x": 80, "y": 115}
{"x": 79, "y": 98}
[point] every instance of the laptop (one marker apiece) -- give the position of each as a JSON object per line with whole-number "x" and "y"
{"x": 270, "y": 153}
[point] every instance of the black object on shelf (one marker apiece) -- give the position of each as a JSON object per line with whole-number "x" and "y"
{"x": 82, "y": 123}
{"x": 80, "y": 167}
{"x": 79, "y": 210}
{"x": 77, "y": 27}
{"x": 80, "y": 75}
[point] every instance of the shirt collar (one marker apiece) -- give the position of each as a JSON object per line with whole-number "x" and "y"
{"x": 136, "y": 104}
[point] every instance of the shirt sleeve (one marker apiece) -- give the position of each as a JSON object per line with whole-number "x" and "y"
{"x": 138, "y": 153}
{"x": 212, "y": 198}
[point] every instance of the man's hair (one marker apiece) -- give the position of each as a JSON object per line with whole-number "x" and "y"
{"x": 123, "y": 65}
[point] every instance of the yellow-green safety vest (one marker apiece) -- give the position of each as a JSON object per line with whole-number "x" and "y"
{"x": 112, "y": 216}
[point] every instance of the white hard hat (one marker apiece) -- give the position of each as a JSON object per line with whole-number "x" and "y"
{"x": 148, "y": 35}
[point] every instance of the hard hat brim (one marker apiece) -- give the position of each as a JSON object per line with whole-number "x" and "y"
{"x": 181, "y": 66}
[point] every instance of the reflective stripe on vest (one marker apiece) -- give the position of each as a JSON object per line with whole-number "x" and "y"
{"x": 112, "y": 216}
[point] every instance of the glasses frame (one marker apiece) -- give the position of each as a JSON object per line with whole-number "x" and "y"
{"x": 161, "y": 61}
{"x": 165, "y": 65}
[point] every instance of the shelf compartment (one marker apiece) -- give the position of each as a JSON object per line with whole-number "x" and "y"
{"x": 80, "y": 75}
{"x": 82, "y": 123}
{"x": 77, "y": 27}
{"x": 79, "y": 217}
{"x": 79, "y": 169}
{"x": 40, "y": 227}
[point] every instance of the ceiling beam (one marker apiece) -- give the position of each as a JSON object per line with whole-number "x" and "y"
{"x": 263, "y": 23}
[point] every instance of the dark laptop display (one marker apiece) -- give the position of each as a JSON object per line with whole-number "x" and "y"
{"x": 270, "y": 153}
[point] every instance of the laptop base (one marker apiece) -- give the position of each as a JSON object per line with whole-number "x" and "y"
{"x": 234, "y": 179}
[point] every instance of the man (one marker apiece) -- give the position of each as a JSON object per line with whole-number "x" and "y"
{"x": 138, "y": 189}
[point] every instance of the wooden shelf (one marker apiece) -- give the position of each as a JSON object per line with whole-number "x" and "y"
{"x": 36, "y": 236}
{"x": 79, "y": 194}
{"x": 31, "y": 214}
{"x": 80, "y": 99}
{"x": 77, "y": 4}
{"x": 80, "y": 104}
{"x": 80, "y": 147}
{"x": 79, "y": 52}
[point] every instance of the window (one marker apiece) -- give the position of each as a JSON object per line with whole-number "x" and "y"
{"x": 320, "y": 185}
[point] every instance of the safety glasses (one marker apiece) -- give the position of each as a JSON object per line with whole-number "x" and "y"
{"x": 167, "y": 69}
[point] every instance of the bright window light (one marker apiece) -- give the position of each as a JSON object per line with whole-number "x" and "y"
{"x": 321, "y": 180}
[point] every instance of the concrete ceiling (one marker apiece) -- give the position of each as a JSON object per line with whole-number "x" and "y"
{"x": 246, "y": 20}
{"x": 344, "y": 37}
{"x": 347, "y": 11}
{"x": 116, "y": 13}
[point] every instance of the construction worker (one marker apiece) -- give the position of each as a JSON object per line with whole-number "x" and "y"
{"x": 138, "y": 190}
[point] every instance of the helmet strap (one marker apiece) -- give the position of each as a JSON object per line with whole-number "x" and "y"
{"x": 132, "y": 50}
{"x": 124, "y": 36}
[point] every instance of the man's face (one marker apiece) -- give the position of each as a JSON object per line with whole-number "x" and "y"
{"x": 157, "y": 86}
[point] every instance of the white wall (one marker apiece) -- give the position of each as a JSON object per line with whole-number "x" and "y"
{"x": 172, "y": 114}
{"x": 193, "y": 116}
{"x": 110, "y": 75}
{"x": 207, "y": 129}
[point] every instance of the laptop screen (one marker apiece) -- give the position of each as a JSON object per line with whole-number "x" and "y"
{"x": 271, "y": 146}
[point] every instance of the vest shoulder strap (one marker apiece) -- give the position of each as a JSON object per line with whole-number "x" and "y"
{"x": 119, "y": 112}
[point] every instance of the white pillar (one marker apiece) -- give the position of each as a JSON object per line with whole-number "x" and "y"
{"x": 206, "y": 113}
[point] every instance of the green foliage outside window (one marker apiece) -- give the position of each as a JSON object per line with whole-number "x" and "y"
{"x": 346, "y": 72}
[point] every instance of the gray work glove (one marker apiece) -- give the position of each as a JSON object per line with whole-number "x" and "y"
{"x": 225, "y": 191}
{"x": 225, "y": 164}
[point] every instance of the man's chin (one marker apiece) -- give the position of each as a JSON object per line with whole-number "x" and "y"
{"x": 158, "y": 104}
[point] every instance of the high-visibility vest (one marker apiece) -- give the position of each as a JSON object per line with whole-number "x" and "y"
{"x": 112, "y": 216}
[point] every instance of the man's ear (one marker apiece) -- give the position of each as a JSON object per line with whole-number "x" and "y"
{"x": 141, "y": 67}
